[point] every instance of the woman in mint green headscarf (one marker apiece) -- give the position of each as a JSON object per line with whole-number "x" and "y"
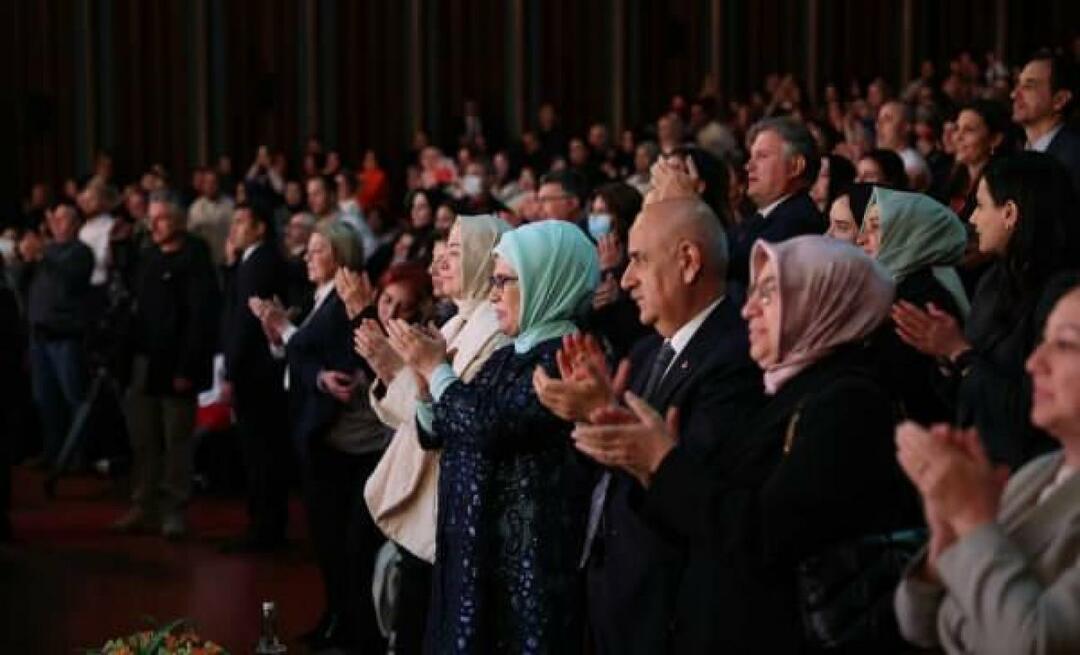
{"x": 918, "y": 240}
{"x": 512, "y": 498}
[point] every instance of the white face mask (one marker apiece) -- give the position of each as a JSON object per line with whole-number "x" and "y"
{"x": 471, "y": 185}
{"x": 599, "y": 225}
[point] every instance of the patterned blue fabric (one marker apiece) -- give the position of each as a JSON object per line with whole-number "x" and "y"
{"x": 513, "y": 498}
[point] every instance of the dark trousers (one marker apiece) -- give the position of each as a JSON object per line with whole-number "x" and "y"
{"x": 262, "y": 424}
{"x": 346, "y": 540}
{"x": 58, "y": 371}
{"x": 411, "y": 612}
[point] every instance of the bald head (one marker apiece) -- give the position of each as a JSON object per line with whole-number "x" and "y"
{"x": 687, "y": 219}
{"x": 678, "y": 262}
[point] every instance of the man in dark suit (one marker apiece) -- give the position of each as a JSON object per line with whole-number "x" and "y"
{"x": 783, "y": 165}
{"x": 698, "y": 362}
{"x": 1043, "y": 97}
{"x": 255, "y": 380}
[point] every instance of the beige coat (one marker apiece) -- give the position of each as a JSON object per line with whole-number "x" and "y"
{"x": 1010, "y": 587}
{"x": 402, "y": 491}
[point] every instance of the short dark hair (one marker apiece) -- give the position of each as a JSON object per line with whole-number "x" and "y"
{"x": 260, "y": 213}
{"x": 1063, "y": 74}
{"x": 892, "y": 168}
{"x": 571, "y": 182}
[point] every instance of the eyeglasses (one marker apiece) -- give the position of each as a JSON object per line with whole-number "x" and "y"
{"x": 763, "y": 293}
{"x": 500, "y": 281}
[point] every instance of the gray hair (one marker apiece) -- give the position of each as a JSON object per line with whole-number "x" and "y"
{"x": 172, "y": 205}
{"x": 307, "y": 218}
{"x": 344, "y": 244}
{"x": 798, "y": 142}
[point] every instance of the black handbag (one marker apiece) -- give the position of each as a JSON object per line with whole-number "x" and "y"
{"x": 846, "y": 590}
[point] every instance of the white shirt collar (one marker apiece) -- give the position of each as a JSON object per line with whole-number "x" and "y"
{"x": 1043, "y": 142}
{"x": 321, "y": 293}
{"x": 768, "y": 210}
{"x": 683, "y": 335}
{"x": 250, "y": 249}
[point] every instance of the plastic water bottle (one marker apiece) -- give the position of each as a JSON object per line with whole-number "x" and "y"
{"x": 269, "y": 644}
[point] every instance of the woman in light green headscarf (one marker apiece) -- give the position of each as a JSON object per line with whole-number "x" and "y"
{"x": 914, "y": 236}
{"x": 512, "y": 499}
{"x": 918, "y": 240}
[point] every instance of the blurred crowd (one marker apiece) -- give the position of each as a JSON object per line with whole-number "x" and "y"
{"x": 435, "y": 353}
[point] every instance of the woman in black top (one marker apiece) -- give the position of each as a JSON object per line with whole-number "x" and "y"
{"x": 1023, "y": 217}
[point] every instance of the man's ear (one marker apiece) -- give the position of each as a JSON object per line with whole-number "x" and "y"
{"x": 796, "y": 167}
{"x": 1060, "y": 99}
{"x": 691, "y": 262}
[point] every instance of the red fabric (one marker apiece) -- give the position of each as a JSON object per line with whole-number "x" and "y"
{"x": 374, "y": 189}
{"x": 214, "y": 418}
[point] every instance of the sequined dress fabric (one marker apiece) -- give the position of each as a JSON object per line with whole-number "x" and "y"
{"x": 513, "y": 499}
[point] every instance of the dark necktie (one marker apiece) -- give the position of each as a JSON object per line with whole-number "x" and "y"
{"x": 599, "y": 494}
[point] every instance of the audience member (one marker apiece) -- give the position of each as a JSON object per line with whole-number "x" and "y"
{"x": 176, "y": 301}
{"x": 60, "y": 280}
{"x": 783, "y": 165}
{"x": 986, "y": 582}
{"x": 253, "y": 379}
{"x": 210, "y": 216}
{"x": 1045, "y": 92}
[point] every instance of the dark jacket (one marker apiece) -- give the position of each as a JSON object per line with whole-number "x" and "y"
{"x": 323, "y": 342}
{"x": 749, "y": 518}
{"x": 915, "y": 379}
{"x": 58, "y": 288}
{"x": 637, "y": 570}
{"x": 177, "y": 304}
{"x": 248, "y": 362}
{"x": 795, "y": 216}
{"x": 994, "y": 391}
{"x": 1065, "y": 146}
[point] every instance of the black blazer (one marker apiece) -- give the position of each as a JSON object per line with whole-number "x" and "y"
{"x": 1065, "y": 146}
{"x": 248, "y": 362}
{"x": 636, "y": 567}
{"x": 749, "y": 518}
{"x": 322, "y": 342}
{"x": 795, "y": 216}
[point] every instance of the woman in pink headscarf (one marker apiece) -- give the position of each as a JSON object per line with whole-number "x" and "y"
{"x": 817, "y": 470}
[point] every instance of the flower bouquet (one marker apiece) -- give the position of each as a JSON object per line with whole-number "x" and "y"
{"x": 176, "y": 638}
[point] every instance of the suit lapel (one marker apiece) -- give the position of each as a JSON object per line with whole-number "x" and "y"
{"x": 694, "y": 355}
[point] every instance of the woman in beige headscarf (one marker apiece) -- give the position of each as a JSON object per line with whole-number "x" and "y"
{"x": 401, "y": 493}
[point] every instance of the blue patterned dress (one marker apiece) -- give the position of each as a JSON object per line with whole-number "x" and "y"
{"x": 513, "y": 499}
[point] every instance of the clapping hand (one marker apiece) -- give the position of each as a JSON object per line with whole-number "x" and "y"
{"x": 932, "y": 332}
{"x": 371, "y": 344}
{"x": 272, "y": 315}
{"x": 584, "y": 383}
{"x": 421, "y": 348}
{"x": 338, "y": 384}
{"x": 636, "y": 439}
{"x": 355, "y": 291}
{"x": 961, "y": 488}
{"x": 609, "y": 250}
{"x": 672, "y": 177}
{"x": 606, "y": 293}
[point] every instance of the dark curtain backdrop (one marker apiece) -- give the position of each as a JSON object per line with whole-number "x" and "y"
{"x": 182, "y": 81}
